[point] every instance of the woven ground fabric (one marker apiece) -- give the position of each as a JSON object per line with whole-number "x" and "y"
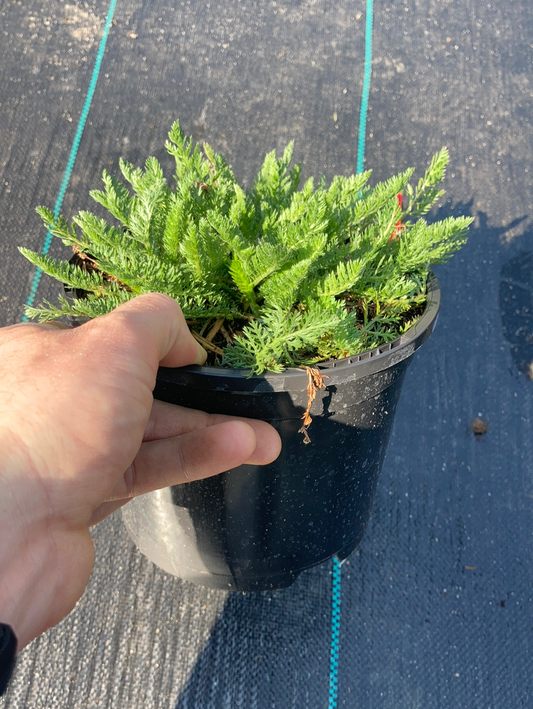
{"x": 437, "y": 602}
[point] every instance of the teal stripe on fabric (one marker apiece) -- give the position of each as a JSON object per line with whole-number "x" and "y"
{"x": 335, "y": 633}
{"x": 74, "y": 149}
{"x": 336, "y": 569}
{"x": 367, "y": 75}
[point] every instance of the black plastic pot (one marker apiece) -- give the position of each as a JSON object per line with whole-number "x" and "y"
{"x": 258, "y": 527}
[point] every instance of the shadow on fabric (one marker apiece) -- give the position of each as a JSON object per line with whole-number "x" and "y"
{"x": 268, "y": 650}
{"x": 516, "y": 308}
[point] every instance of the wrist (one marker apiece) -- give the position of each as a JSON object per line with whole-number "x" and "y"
{"x": 24, "y": 549}
{"x": 46, "y": 556}
{"x": 45, "y": 569}
{"x": 24, "y": 592}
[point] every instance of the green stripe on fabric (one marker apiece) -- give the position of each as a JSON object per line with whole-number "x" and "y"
{"x": 367, "y": 75}
{"x": 335, "y": 633}
{"x": 74, "y": 149}
{"x": 336, "y": 569}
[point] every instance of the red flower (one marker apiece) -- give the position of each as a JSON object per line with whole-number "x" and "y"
{"x": 399, "y": 225}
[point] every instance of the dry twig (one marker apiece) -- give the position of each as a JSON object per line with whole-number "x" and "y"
{"x": 213, "y": 331}
{"x": 206, "y": 344}
{"x": 315, "y": 381}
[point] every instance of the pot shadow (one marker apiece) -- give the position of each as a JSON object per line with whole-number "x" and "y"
{"x": 516, "y": 309}
{"x": 267, "y": 649}
{"x": 515, "y": 292}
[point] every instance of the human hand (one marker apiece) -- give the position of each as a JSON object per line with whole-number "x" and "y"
{"x": 80, "y": 435}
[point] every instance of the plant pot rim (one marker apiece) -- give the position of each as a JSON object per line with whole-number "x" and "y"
{"x": 360, "y": 365}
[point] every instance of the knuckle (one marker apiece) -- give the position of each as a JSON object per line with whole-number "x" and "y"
{"x": 130, "y": 481}
{"x": 183, "y": 468}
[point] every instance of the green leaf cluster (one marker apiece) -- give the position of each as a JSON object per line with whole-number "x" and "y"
{"x": 300, "y": 273}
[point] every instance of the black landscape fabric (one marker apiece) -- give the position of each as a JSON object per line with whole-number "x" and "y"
{"x": 437, "y": 602}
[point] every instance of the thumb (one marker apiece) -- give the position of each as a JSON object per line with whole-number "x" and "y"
{"x": 154, "y": 325}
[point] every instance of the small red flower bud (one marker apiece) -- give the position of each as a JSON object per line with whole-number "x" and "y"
{"x": 399, "y": 226}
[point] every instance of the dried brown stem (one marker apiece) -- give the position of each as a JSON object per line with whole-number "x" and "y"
{"x": 227, "y": 334}
{"x": 213, "y": 331}
{"x": 206, "y": 344}
{"x": 315, "y": 381}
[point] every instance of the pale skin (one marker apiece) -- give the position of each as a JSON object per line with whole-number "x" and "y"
{"x": 80, "y": 435}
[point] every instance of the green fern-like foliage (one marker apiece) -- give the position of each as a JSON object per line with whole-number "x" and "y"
{"x": 292, "y": 275}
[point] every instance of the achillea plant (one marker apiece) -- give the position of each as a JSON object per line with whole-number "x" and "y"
{"x": 268, "y": 278}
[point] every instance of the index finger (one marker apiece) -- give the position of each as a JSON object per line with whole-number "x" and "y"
{"x": 171, "y": 420}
